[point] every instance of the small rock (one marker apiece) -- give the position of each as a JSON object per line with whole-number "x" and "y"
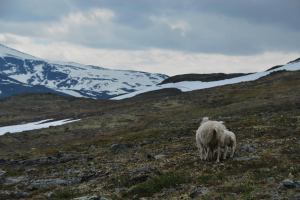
{"x": 143, "y": 198}
{"x": 92, "y": 148}
{"x": 4, "y": 194}
{"x": 264, "y": 170}
{"x": 94, "y": 197}
{"x": 14, "y": 180}
{"x": 271, "y": 179}
{"x": 46, "y": 183}
{"x": 296, "y": 197}
{"x": 248, "y": 148}
{"x": 291, "y": 176}
{"x": 31, "y": 171}
{"x": 198, "y": 191}
{"x": 2, "y": 175}
{"x": 160, "y": 156}
{"x": 120, "y": 190}
{"x": 141, "y": 174}
{"x": 49, "y": 194}
{"x": 104, "y": 198}
{"x": 116, "y": 148}
{"x": 246, "y": 158}
{"x": 288, "y": 184}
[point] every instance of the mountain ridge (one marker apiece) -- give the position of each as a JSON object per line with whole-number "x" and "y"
{"x": 73, "y": 78}
{"x": 186, "y": 86}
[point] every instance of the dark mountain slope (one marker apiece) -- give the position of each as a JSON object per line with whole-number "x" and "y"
{"x": 201, "y": 77}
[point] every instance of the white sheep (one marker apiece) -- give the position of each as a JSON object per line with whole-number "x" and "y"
{"x": 211, "y": 136}
{"x": 207, "y": 137}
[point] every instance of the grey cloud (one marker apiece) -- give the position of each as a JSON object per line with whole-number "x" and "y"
{"x": 229, "y": 27}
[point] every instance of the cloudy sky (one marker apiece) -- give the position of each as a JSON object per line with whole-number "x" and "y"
{"x": 166, "y": 36}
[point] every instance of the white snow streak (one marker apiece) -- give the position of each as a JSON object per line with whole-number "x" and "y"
{"x": 34, "y": 125}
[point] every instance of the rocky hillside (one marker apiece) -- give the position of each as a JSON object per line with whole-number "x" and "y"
{"x": 144, "y": 146}
{"x": 201, "y": 77}
{"x": 71, "y": 78}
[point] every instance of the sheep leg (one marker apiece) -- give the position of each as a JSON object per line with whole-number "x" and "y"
{"x": 201, "y": 152}
{"x": 199, "y": 147}
{"x": 212, "y": 153}
{"x": 218, "y": 156}
{"x": 207, "y": 153}
{"x": 232, "y": 151}
{"x": 225, "y": 152}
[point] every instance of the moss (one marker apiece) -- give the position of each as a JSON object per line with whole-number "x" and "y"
{"x": 211, "y": 179}
{"x": 14, "y": 172}
{"x": 156, "y": 184}
{"x": 64, "y": 193}
{"x": 244, "y": 188}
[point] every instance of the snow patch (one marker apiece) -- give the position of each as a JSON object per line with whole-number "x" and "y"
{"x": 34, "y": 125}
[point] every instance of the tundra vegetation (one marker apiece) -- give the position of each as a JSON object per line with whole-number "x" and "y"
{"x": 145, "y": 146}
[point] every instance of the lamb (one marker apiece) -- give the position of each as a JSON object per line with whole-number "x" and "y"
{"x": 211, "y": 136}
{"x": 228, "y": 139}
{"x": 207, "y": 137}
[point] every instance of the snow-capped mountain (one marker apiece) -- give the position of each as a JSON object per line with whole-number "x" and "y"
{"x": 72, "y": 78}
{"x": 10, "y": 87}
{"x": 186, "y": 86}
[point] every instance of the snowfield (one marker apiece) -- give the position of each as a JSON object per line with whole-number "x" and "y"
{"x": 34, "y": 125}
{"x": 186, "y": 86}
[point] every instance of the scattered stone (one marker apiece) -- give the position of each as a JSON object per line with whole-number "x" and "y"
{"x": 31, "y": 171}
{"x": 4, "y": 194}
{"x": 289, "y": 184}
{"x": 2, "y": 176}
{"x": 46, "y": 183}
{"x": 104, "y": 198}
{"x": 49, "y": 194}
{"x": 198, "y": 191}
{"x": 246, "y": 158}
{"x": 296, "y": 197}
{"x": 141, "y": 174}
{"x": 145, "y": 142}
{"x": 248, "y": 148}
{"x": 59, "y": 158}
{"x": 270, "y": 179}
{"x": 291, "y": 176}
{"x": 2, "y": 173}
{"x": 264, "y": 170}
{"x": 14, "y": 180}
{"x": 92, "y": 148}
{"x": 91, "y": 174}
{"x": 160, "y": 156}
{"x": 117, "y": 148}
{"x": 121, "y": 190}
{"x": 93, "y": 197}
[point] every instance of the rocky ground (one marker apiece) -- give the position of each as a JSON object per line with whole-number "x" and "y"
{"x": 144, "y": 148}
